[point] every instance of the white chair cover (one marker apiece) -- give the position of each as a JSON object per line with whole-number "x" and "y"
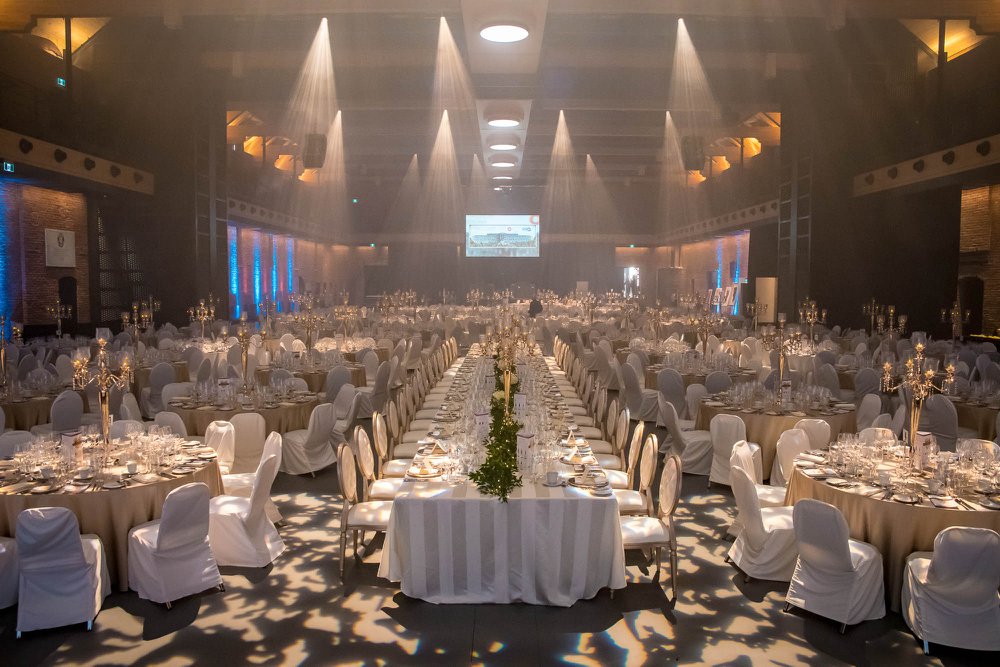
{"x": 130, "y": 408}
{"x": 66, "y": 413}
{"x": 693, "y": 447}
{"x": 765, "y": 548}
{"x": 221, "y": 437}
{"x": 170, "y": 558}
{"x": 9, "y": 572}
{"x": 241, "y": 484}
{"x": 725, "y": 430}
{"x": 641, "y": 402}
{"x": 239, "y": 530}
{"x": 174, "y": 390}
{"x": 63, "y": 575}
{"x": 817, "y": 430}
{"x": 310, "y": 449}
{"x": 791, "y": 443}
{"x": 835, "y": 576}
{"x": 941, "y": 419}
{"x": 250, "y": 433}
{"x": 14, "y": 441}
{"x": 173, "y": 421}
{"x": 335, "y": 379}
{"x": 695, "y": 392}
{"x": 950, "y": 596}
{"x": 868, "y": 409}
{"x": 717, "y": 381}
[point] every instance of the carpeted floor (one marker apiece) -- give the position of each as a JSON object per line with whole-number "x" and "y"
{"x": 297, "y": 612}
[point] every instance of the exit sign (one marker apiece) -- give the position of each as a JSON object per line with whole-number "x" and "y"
{"x": 61, "y": 82}
{"x": 8, "y": 167}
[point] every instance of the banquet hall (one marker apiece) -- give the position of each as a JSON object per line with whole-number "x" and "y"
{"x": 535, "y": 332}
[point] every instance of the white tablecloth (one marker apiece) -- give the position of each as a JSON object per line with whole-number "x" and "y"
{"x": 549, "y": 546}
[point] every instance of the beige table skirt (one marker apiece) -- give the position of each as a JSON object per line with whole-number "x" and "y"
{"x": 766, "y": 429}
{"x": 695, "y": 378}
{"x": 284, "y": 418}
{"x": 23, "y": 415}
{"x": 982, "y": 419}
{"x": 897, "y": 530}
{"x": 383, "y": 354}
{"x": 316, "y": 380}
{"x": 110, "y": 514}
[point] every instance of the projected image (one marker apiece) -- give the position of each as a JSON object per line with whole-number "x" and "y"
{"x": 501, "y": 236}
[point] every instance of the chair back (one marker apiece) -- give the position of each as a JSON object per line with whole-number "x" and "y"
{"x": 261, "y": 492}
{"x": 380, "y": 437}
{"x": 717, "y": 381}
{"x": 347, "y": 474}
{"x": 184, "y": 520}
{"x": 48, "y": 539}
{"x": 272, "y": 447}
{"x": 940, "y": 417}
{"x": 175, "y": 390}
{"x": 747, "y": 457}
{"x": 748, "y": 505}
{"x": 669, "y": 415}
{"x": 964, "y": 571}
{"x": 335, "y": 379}
{"x": 12, "y": 442}
{"x": 161, "y": 375}
{"x": 250, "y": 429}
{"x": 869, "y": 408}
{"x": 371, "y": 363}
{"x": 873, "y": 433}
{"x": 822, "y": 535}
{"x": 66, "y": 412}
{"x": 726, "y": 430}
{"x": 204, "y": 373}
{"x": 670, "y": 486}
{"x": 633, "y": 392}
{"x": 342, "y": 402}
{"x": 791, "y": 443}
{"x": 817, "y": 430}
{"x": 64, "y": 367}
{"x": 670, "y": 383}
{"x": 634, "y": 450}
{"x": 866, "y": 382}
{"x": 366, "y": 459}
{"x": 647, "y": 463}
{"x": 695, "y": 393}
{"x": 173, "y": 421}
{"x": 120, "y": 428}
{"x": 826, "y": 377}
{"x": 221, "y": 437}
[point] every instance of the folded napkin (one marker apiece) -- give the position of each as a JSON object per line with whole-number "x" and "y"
{"x": 809, "y": 457}
{"x": 944, "y": 501}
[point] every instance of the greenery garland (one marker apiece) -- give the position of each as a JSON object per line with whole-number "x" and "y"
{"x": 498, "y": 476}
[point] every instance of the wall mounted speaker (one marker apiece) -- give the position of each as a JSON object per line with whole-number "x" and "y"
{"x": 314, "y": 151}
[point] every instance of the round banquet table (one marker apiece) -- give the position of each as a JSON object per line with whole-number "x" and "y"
{"x": 765, "y": 429}
{"x": 288, "y": 416}
{"x": 383, "y": 354}
{"x": 140, "y": 378}
{"x": 31, "y": 411}
{"x": 982, "y": 418}
{"x": 110, "y": 514}
{"x": 896, "y": 529}
{"x": 316, "y": 380}
{"x": 697, "y": 378}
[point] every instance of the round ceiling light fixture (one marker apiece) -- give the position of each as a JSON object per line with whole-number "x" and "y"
{"x": 503, "y": 178}
{"x": 504, "y": 33}
{"x": 504, "y": 143}
{"x": 503, "y": 162}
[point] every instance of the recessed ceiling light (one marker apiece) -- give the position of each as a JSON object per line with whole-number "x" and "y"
{"x": 504, "y": 33}
{"x": 503, "y": 121}
{"x": 503, "y": 143}
{"x": 502, "y": 178}
{"x": 503, "y": 164}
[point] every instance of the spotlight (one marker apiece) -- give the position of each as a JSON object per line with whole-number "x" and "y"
{"x": 504, "y": 33}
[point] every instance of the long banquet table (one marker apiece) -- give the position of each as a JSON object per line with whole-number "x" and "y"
{"x": 549, "y": 546}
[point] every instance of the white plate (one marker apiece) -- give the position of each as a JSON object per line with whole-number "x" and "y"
{"x": 113, "y": 485}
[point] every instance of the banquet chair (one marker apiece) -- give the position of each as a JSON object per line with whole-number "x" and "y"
{"x": 377, "y": 394}
{"x": 791, "y": 443}
{"x": 625, "y": 477}
{"x": 130, "y": 407}
{"x": 835, "y": 576}
{"x": 868, "y": 409}
{"x": 747, "y": 457}
{"x": 635, "y": 361}
{"x": 765, "y": 547}
{"x": 873, "y": 433}
{"x": 883, "y": 420}
{"x": 64, "y": 367}
{"x": 692, "y": 397}
{"x": 718, "y": 381}
{"x": 657, "y": 533}
{"x": 250, "y": 430}
{"x": 371, "y": 364}
{"x": 170, "y": 558}
{"x": 238, "y": 528}
{"x": 63, "y": 575}
{"x": 204, "y": 372}
{"x": 342, "y": 428}
{"x": 310, "y": 449}
{"x": 356, "y": 516}
{"x": 173, "y": 421}
{"x": 14, "y": 441}
{"x": 817, "y": 430}
{"x": 241, "y": 483}
{"x": 297, "y": 384}
{"x": 220, "y": 435}
{"x": 336, "y": 378}
{"x": 25, "y": 366}
{"x": 381, "y": 427}
{"x": 693, "y": 447}
{"x": 670, "y": 383}
{"x": 373, "y": 488}
{"x": 642, "y": 403}
{"x": 119, "y": 428}
{"x": 725, "y": 431}
{"x": 9, "y": 572}
{"x": 949, "y": 596}
{"x": 151, "y": 397}
{"x": 174, "y": 390}
{"x": 65, "y": 415}
{"x": 940, "y": 417}
{"x": 640, "y": 502}
{"x": 280, "y": 375}
{"x": 286, "y": 341}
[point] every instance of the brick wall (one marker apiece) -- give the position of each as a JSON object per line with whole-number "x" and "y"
{"x": 30, "y": 286}
{"x": 981, "y": 234}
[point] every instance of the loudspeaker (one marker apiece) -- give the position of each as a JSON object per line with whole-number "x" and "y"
{"x": 314, "y": 151}
{"x": 693, "y": 152}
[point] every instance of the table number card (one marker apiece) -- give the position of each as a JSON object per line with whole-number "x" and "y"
{"x": 525, "y": 451}
{"x": 482, "y": 424}
{"x": 520, "y": 404}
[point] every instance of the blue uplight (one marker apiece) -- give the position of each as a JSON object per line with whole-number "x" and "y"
{"x": 234, "y": 271}
{"x": 256, "y": 269}
{"x": 274, "y": 269}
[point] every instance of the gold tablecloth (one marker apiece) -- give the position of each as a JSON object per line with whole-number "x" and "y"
{"x": 695, "y": 378}
{"x": 140, "y": 378}
{"x": 110, "y": 514}
{"x": 284, "y": 418}
{"x": 316, "y": 380}
{"x": 897, "y": 530}
{"x": 978, "y": 417}
{"x": 383, "y": 354}
{"x": 765, "y": 429}
{"x": 24, "y": 414}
